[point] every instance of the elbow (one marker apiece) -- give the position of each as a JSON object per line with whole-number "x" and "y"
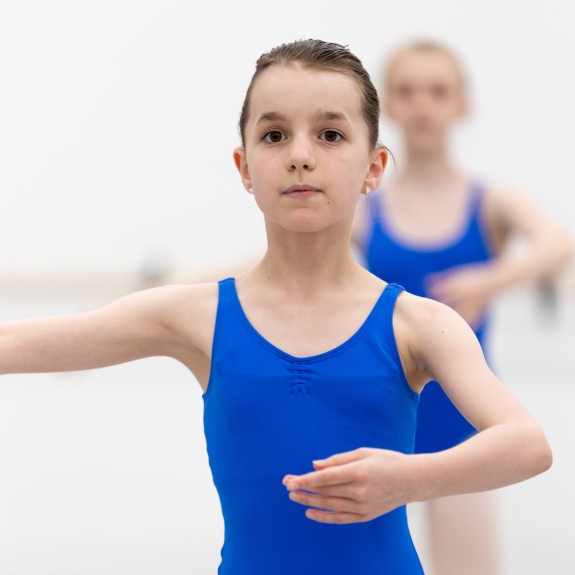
{"x": 534, "y": 452}
{"x": 547, "y": 459}
{"x": 541, "y": 456}
{"x": 567, "y": 251}
{"x": 560, "y": 256}
{"x": 560, "y": 249}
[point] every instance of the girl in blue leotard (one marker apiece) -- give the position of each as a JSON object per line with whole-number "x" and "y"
{"x": 311, "y": 366}
{"x": 440, "y": 234}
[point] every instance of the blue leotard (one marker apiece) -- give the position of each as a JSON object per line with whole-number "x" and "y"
{"x": 440, "y": 425}
{"x": 268, "y": 413}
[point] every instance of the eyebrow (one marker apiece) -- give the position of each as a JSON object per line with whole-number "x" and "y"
{"x": 318, "y": 117}
{"x": 272, "y": 117}
{"x": 327, "y": 115}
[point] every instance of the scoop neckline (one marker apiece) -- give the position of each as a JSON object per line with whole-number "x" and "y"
{"x": 310, "y": 358}
{"x": 435, "y": 247}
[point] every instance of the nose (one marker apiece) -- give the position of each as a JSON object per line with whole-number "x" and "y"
{"x": 300, "y": 154}
{"x": 424, "y": 98}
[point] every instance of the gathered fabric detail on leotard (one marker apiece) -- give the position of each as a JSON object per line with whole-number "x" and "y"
{"x": 268, "y": 413}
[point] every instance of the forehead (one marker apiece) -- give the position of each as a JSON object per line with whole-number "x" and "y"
{"x": 297, "y": 91}
{"x": 423, "y": 66}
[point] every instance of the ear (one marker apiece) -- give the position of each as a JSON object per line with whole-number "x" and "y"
{"x": 376, "y": 168}
{"x": 242, "y": 166}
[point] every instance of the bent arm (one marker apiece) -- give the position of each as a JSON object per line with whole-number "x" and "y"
{"x": 510, "y": 446}
{"x": 434, "y": 343}
{"x": 548, "y": 247}
{"x": 545, "y": 251}
{"x": 162, "y": 321}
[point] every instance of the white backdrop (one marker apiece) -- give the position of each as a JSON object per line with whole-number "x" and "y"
{"x": 118, "y": 118}
{"x": 117, "y": 124}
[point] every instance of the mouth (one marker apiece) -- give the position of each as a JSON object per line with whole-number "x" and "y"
{"x": 301, "y": 191}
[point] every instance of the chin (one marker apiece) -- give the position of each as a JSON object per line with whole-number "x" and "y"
{"x": 305, "y": 227}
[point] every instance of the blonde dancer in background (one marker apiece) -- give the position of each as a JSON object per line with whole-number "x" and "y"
{"x": 442, "y": 234}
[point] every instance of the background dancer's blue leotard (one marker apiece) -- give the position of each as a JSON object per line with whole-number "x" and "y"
{"x": 267, "y": 414}
{"x": 439, "y": 425}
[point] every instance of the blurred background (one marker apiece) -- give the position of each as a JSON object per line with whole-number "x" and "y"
{"x": 117, "y": 124}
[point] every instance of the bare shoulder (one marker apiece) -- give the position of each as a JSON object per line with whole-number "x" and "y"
{"x": 429, "y": 333}
{"x": 502, "y": 192}
{"x": 183, "y": 308}
{"x": 193, "y": 297}
{"x": 515, "y": 212}
{"x": 179, "y": 317}
{"x": 180, "y": 321}
{"x": 511, "y": 209}
{"x": 197, "y": 302}
{"x": 420, "y": 314}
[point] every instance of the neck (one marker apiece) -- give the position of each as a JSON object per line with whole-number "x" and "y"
{"x": 308, "y": 262}
{"x": 428, "y": 168}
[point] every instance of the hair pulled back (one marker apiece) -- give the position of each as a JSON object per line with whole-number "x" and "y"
{"x": 326, "y": 56}
{"x": 424, "y": 46}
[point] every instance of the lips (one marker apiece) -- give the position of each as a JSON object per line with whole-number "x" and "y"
{"x": 301, "y": 190}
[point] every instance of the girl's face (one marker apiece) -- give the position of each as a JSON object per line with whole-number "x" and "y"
{"x": 307, "y": 156}
{"x": 424, "y": 97}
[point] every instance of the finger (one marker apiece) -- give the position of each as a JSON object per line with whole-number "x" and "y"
{"x": 335, "y": 518}
{"x": 360, "y": 515}
{"x": 323, "y": 503}
{"x": 318, "y": 480}
{"x": 314, "y": 481}
{"x": 350, "y": 491}
{"x": 339, "y": 459}
{"x": 321, "y": 478}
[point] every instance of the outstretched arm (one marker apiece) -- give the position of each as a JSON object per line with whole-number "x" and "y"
{"x": 172, "y": 321}
{"x": 434, "y": 343}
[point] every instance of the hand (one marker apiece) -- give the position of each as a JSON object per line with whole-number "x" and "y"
{"x": 353, "y": 487}
{"x": 466, "y": 289}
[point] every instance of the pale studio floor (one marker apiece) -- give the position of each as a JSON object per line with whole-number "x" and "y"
{"x": 105, "y": 472}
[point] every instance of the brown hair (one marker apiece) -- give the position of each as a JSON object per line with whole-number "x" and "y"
{"x": 320, "y": 55}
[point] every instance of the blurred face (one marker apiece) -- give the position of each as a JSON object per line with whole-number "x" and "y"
{"x": 424, "y": 97}
{"x": 307, "y": 156}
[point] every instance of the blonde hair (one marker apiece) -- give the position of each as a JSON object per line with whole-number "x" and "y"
{"x": 429, "y": 47}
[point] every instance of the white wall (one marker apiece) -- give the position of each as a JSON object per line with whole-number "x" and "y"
{"x": 117, "y": 123}
{"x": 118, "y": 118}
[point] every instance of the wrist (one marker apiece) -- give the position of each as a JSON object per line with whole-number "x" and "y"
{"x": 504, "y": 272}
{"x": 427, "y": 477}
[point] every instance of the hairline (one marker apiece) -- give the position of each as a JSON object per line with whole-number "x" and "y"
{"x": 320, "y": 66}
{"x": 422, "y": 47}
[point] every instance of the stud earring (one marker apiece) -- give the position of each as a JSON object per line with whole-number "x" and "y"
{"x": 367, "y": 190}
{"x": 250, "y": 191}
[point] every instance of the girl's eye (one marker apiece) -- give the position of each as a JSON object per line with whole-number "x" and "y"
{"x": 439, "y": 92}
{"x": 403, "y": 92}
{"x": 274, "y": 137}
{"x": 331, "y": 136}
